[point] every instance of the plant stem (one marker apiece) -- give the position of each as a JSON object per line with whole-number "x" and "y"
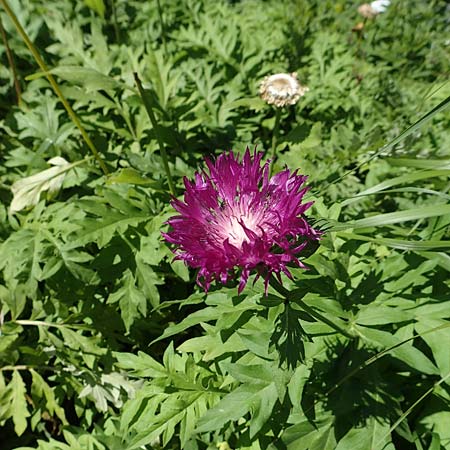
{"x": 163, "y": 28}
{"x": 54, "y": 85}
{"x": 116, "y": 27}
{"x": 308, "y": 309}
{"x": 428, "y": 116}
{"x": 276, "y": 131}
{"x": 41, "y": 323}
{"x": 151, "y": 115}
{"x": 408, "y": 411}
{"x": 27, "y": 367}
{"x": 12, "y": 64}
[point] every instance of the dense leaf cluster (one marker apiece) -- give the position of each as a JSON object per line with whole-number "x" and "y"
{"x": 106, "y": 343}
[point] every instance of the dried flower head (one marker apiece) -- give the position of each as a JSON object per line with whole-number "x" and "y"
{"x": 238, "y": 219}
{"x": 282, "y": 89}
{"x": 366, "y": 11}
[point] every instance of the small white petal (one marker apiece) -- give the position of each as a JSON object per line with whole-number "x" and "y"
{"x": 379, "y": 6}
{"x": 27, "y": 191}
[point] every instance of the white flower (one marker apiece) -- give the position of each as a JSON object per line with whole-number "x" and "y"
{"x": 380, "y": 6}
{"x": 281, "y": 89}
{"x": 27, "y": 191}
{"x": 370, "y": 10}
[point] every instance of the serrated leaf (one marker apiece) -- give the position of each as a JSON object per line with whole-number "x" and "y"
{"x": 132, "y": 301}
{"x": 107, "y": 223}
{"x": 40, "y": 388}
{"x": 18, "y": 403}
{"x": 141, "y": 365}
{"x": 259, "y": 398}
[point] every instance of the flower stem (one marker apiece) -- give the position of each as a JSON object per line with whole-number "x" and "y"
{"x": 12, "y": 64}
{"x": 149, "y": 108}
{"x": 163, "y": 28}
{"x": 54, "y": 84}
{"x": 275, "y": 135}
{"x": 308, "y": 309}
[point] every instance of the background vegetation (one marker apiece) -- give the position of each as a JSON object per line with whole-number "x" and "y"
{"x": 106, "y": 343}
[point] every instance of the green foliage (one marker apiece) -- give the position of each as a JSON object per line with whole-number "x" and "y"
{"x": 106, "y": 343}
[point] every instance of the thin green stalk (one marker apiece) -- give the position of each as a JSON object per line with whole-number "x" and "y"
{"x": 41, "y": 323}
{"x": 375, "y": 358}
{"x": 116, "y": 27}
{"x": 428, "y": 116}
{"x": 54, "y": 84}
{"x": 163, "y": 28}
{"x": 408, "y": 411}
{"x": 275, "y": 135}
{"x": 311, "y": 311}
{"x": 11, "y": 62}
{"x": 379, "y": 355}
{"x": 27, "y": 367}
{"x": 149, "y": 108}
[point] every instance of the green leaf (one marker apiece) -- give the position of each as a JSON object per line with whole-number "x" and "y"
{"x": 438, "y": 164}
{"x": 409, "y": 178}
{"x": 305, "y": 435}
{"x": 259, "y": 373}
{"x": 212, "y": 347}
{"x": 376, "y": 314}
{"x": 18, "y": 403}
{"x": 396, "y": 217}
{"x": 41, "y": 389}
{"x": 132, "y": 176}
{"x": 442, "y": 259}
{"x": 410, "y": 355}
{"x": 326, "y": 439}
{"x": 107, "y": 223}
{"x": 297, "y": 383}
{"x": 89, "y": 78}
{"x": 434, "y": 341}
{"x": 97, "y": 5}
{"x": 366, "y": 437}
{"x": 259, "y": 398}
{"x": 253, "y": 103}
{"x": 147, "y": 281}
{"x": 140, "y": 365}
{"x": 401, "y": 244}
{"x": 224, "y": 306}
{"x": 132, "y": 301}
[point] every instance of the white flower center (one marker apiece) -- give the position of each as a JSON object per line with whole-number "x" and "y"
{"x": 233, "y": 228}
{"x": 282, "y": 85}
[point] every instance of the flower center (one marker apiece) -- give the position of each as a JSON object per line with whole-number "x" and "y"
{"x": 280, "y": 87}
{"x": 234, "y": 228}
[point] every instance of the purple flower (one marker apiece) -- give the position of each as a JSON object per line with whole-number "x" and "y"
{"x": 237, "y": 218}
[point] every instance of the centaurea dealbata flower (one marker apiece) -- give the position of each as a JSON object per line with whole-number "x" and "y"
{"x": 235, "y": 219}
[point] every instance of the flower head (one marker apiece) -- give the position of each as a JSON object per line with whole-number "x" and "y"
{"x": 237, "y": 218}
{"x": 281, "y": 89}
{"x": 370, "y": 10}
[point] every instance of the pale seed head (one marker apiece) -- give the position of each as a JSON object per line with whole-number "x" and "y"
{"x": 281, "y": 89}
